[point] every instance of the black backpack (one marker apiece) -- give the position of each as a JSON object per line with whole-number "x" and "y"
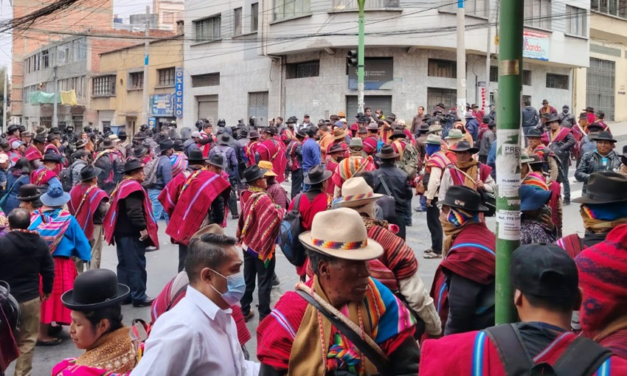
{"x": 291, "y": 228}
{"x": 65, "y": 176}
{"x": 583, "y": 357}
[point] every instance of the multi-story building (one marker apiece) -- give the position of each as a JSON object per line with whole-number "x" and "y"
{"x": 169, "y": 12}
{"x": 288, "y": 57}
{"x": 603, "y": 85}
{"x": 117, "y": 91}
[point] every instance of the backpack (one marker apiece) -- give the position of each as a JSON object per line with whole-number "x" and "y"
{"x": 218, "y": 149}
{"x": 150, "y": 172}
{"x": 105, "y": 163}
{"x": 583, "y": 357}
{"x": 291, "y": 228}
{"x": 10, "y": 316}
{"x": 65, "y": 176}
{"x": 408, "y": 160}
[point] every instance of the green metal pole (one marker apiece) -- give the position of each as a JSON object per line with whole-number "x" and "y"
{"x": 508, "y": 153}
{"x": 361, "y": 51}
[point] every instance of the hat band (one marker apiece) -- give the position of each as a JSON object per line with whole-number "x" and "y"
{"x": 340, "y": 245}
{"x": 360, "y": 196}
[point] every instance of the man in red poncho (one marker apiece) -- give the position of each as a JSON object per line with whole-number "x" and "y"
{"x": 44, "y": 175}
{"x": 194, "y": 199}
{"x": 89, "y": 204}
{"x": 272, "y": 150}
{"x": 34, "y": 153}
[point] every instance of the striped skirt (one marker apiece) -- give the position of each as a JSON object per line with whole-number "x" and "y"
{"x": 52, "y": 310}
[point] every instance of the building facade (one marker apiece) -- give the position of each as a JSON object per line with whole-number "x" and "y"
{"x": 288, "y": 57}
{"x": 168, "y": 12}
{"x": 117, "y": 94}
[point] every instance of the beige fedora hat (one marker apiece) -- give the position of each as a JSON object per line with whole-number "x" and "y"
{"x": 341, "y": 233}
{"x": 356, "y": 192}
{"x": 209, "y": 229}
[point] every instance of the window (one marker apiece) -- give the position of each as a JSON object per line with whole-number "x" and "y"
{"x": 286, "y": 9}
{"x": 557, "y": 81}
{"x": 526, "y": 78}
{"x": 208, "y": 29}
{"x": 211, "y": 79}
{"x": 442, "y": 68}
{"x": 104, "y": 85}
{"x": 237, "y": 21}
{"x": 166, "y": 76}
{"x": 302, "y": 70}
{"x": 438, "y": 95}
{"x": 494, "y": 75}
{"x": 136, "y": 81}
{"x": 168, "y": 18}
{"x": 340, "y": 5}
{"x": 576, "y": 21}
{"x": 477, "y": 8}
{"x": 106, "y": 124}
{"x": 538, "y": 13}
{"x": 45, "y": 58}
{"x": 616, "y": 8}
{"x": 254, "y": 17}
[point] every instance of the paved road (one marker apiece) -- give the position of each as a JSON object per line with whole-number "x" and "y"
{"x": 162, "y": 266}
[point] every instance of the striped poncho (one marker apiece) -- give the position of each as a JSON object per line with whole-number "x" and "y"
{"x": 259, "y": 224}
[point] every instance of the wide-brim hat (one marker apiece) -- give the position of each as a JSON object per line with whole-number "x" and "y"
{"x": 28, "y": 192}
{"x": 532, "y": 198}
{"x": 267, "y": 166}
{"x": 373, "y": 127}
{"x": 195, "y": 155}
{"x": 341, "y": 233}
{"x": 225, "y": 139}
{"x": 424, "y": 127}
{"x": 534, "y": 133}
{"x": 465, "y": 146}
{"x": 253, "y": 134}
{"x": 435, "y": 128}
{"x": 553, "y": 118}
{"x": 398, "y": 134}
{"x": 525, "y": 158}
{"x": 433, "y": 139}
{"x": 338, "y": 134}
{"x": 454, "y": 134}
{"x": 596, "y": 126}
{"x": 253, "y": 173}
{"x": 317, "y": 175}
{"x": 603, "y": 136}
{"x": 132, "y": 165}
{"x": 301, "y": 133}
{"x": 356, "y": 143}
{"x": 90, "y": 172}
{"x": 95, "y": 289}
{"x": 462, "y": 197}
{"x": 107, "y": 143}
{"x": 81, "y": 144}
{"x": 604, "y": 188}
{"x": 336, "y": 148}
{"x": 52, "y": 157}
{"x": 356, "y": 192}
{"x": 387, "y": 152}
{"x": 140, "y": 136}
{"x": 165, "y": 145}
{"x": 55, "y": 196}
{"x": 216, "y": 159}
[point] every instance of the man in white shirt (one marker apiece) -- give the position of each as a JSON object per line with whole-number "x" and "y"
{"x": 198, "y": 336}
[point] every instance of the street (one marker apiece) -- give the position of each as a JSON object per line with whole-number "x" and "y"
{"x": 161, "y": 266}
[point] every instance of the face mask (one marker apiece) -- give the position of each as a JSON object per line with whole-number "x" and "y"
{"x": 235, "y": 285}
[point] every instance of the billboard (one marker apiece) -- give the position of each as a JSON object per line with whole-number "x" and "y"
{"x": 535, "y": 45}
{"x": 378, "y": 74}
{"x": 161, "y": 105}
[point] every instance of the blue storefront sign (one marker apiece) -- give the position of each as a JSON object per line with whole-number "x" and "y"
{"x": 161, "y": 105}
{"x": 152, "y": 121}
{"x": 178, "y": 92}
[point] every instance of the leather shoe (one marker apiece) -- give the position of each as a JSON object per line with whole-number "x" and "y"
{"x": 145, "y": 303}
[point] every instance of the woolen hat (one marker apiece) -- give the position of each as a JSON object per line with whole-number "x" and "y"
{"x": 267, "y": 166}
{"x": 338, "y": 134}
{"x": 454, "y": 134}
{"x": 52, "y": 157}
{"x": 544, "y": 270}
{"x": 317, "y": 175}
{"x": 341, "y": 233}
{"x": 28, "y": 192}
{"x": 165, "y": 145}
{"x": 462, "y": 197}
{"x": 465, "y": 146}
{"x": 387, "y": 152}
{"x": 356, "y": 192}
{"x": 216, "y": 159}
{"x": 95, "y": 289}
{"x": 89, "y": 172}
{"x": 532, "y": 198}
{"x": 603, "y": 136}
{"x": 195, "y": 155}
{"x": 253, "y": 134}
{"x": 252, "y": 173}
{"x": 398, "y": 134}
{"x": 356, "y": 143}
{"x": 132, "y": 165}
{"x": 434, "y": 139}
{"x": 55, "y": 196}
{"x": 604, "y": 188}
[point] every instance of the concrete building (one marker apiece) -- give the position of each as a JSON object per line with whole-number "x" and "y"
{"x": 169, "y": 12}
{"x": 117, "y": 97}
{"x": 136, "y": 22}
{"x": 288, "y": 57}
{"x": 603, "y": 85}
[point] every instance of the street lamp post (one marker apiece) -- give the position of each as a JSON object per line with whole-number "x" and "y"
{"x": 360, "y": 57}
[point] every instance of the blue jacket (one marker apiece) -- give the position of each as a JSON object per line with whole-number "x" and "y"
{"x": 311, "y": 154}
{"x": 472, "y": 126}
{"x": 74, "y": 242}
{"x": 230, "y": 159}
{"x": 14, "y": 183}
{"x": 164, "y": 172}
{"x": 492, "y": 159}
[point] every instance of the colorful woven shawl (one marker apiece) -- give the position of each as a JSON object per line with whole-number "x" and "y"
{"x": 348, "y": 167}
{"x": 536, "y": 180}
{"x": 261, "y": 225}
{"x": 179, "y": 163}
{"x": 51, "y": 225}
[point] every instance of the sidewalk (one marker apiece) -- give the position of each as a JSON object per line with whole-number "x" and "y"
{"x": 619, "y": 130}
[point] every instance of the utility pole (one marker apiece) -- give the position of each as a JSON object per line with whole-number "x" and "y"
{"x": 146, "y": 98}
{"x": 461, "y": 59}
{"x": 508, "y": 154}
{"x": 4, "y": 100}
{"x": 487, "y": 61}
{"x": 361, "y": 51}
{"x": 55, "y": 119}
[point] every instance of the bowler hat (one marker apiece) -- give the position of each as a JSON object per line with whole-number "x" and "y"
{"x": 225, "y": 139}
{"x": 28, "y": 192}
{"x": 595, "y": 127}
{"x": 317, "y": 175}
{"x": 107, "y": 143}
{"x": 301, "y": 133}
{"x": 139, "y": 151}
{"x": 604, "y": 188}
{"x": 464, "y": 146}
{"x": 55, "y": 196}
{"x": 95, "y": 289}
{"x": 195, "y": 155}
{"x": 132, "y": 165}
{"x": 165, "y": 145}
{"x": 603, "y": 136}
{"x": 253, "y": 173}
{"x": 553, "y": 118}
{"x": 398, "y": 134}
{"x": 373, "y": 127}
{"x": 336, "y": 148}
{"x": 52, "y": 157}
{"x": 462, "y": 197}
{"x": 216, "y": 159}
{"x": 387, "y": 152}
{"x": 39, "y": 139}
{"x": 253, "y": 134}
{"x": 534, "y": 133}
{"x": 89, "y": 172}
{"x": 532, "y": 198}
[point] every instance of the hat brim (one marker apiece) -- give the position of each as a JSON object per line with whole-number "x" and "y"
{"x": 388, "y": 156}
{"x": 270, "y": 173}
{"x": 453, "y": 205}
{"x": 588, "y": 200}
{"x": 537, "y": 201}
{"x": 603, "y": 139}
{"x": 398, "y": 136}
{"x": 96, "y": 172}
{"x": 28, "y": 198}
{"x": 472, "y": 150}
{"x": 133, "y": 169}
{"x": 325, "y": 176}
{"x": 68, "y": 300}
{"x": 340, "y": 137}
{"x": 261, "y": 175}
{"x": 340, "y": 202}
{"x": 57, "y": 201}
{"x": 372, "y": 251}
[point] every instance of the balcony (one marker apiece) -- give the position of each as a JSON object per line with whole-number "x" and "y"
{"x": 352, "y": 5}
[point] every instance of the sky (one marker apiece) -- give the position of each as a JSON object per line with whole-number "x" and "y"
{"x": 123, "y": 8}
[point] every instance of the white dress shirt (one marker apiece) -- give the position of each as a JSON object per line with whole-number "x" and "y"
{"x": 196, "y": 337}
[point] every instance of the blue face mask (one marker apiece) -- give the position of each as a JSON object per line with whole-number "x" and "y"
{"x": 236, "y": 286}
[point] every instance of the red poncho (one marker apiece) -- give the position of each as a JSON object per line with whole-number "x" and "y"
{"x": 274, "y": 151}
{"x": 83, "y": 204}
{"x": 42, "y": 176}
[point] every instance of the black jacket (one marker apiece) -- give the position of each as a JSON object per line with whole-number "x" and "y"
{"x": 396, "y": 182}
{"x": 593, "y": 162}
{"x": 24, "y": 257}
{"x": 562, "y": 148}
{"x": 471, "y": 305}
{"x": 132, "y": 219}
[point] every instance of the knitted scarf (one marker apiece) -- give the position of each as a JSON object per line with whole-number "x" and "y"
{"x": 470, "y": 169}
{"x": 455, "y": 222}
{"x": 536, "y": 180}
{"x": 603, "y": 217}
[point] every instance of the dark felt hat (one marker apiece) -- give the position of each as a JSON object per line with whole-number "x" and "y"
{"x": 225, "y": 139}
{"x": 387, "y": 152}
{"x": 253, "y": 134}
{"x": 398, "y": 134}
{"x": 39, "y": 138}
{"x": 462, "y": 197}
{"x": 317, "y": 175}
{"x": 596, "y": 126}
{"x": 301, "y": 133}
{"x": 216, "y": 159}
{"x": 253, "y": 173}
{"x": 81, "y": 144}
{"x": 195, "y": 156}
{"x": 270, "y": 130}
{"x": 336, "y": 148}
{"x": 13, "y": 127}
{"x": 95, "y": 289}
{"x": 107, "y": 143}
{"x": 132, "y": 165}
{"x": 465, "y": 146}
{"x": 28, "y": 192}
{"x": 89, "y": 172}
{"x": 52, "y": 157}
{"x": 603, "y": 136}
{"x": 534, "y": 133}
{"x": 604, "y": 188}
{"x": 140, "y": 136}
{"x": 553, "y": 118}
{"x": 140, "y": 151}
{"x": 165, "y": 145}
{"x": 544, "y": 270}
{"x": 178, "y": 145}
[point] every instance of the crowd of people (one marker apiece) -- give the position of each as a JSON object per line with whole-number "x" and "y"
{"x": 361, "y": 306}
